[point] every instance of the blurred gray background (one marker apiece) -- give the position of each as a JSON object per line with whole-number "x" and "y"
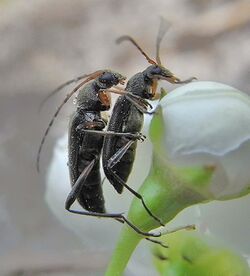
{"x": 44, "y": 43}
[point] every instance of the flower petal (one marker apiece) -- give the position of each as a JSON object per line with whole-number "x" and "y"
{"x": 205, "y": 117}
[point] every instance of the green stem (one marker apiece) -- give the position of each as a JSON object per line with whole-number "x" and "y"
{"x": 165, "y": 197}
{"x": 123, "y": 251}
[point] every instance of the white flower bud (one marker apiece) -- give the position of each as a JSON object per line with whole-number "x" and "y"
{"x": 208, "y": 124}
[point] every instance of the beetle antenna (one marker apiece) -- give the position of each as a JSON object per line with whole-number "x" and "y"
{"x": 129, "y": 38}
{"x": 164, "y": 26}
{"x": 60, "y": 87}
{"x": 91, "y": 77}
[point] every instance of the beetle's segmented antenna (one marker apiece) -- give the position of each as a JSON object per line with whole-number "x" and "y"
{"x": 91, "y": 77}
{"x": 129, "y": 38}
{"x": 164, "y": 26}
{"x": 61, "y": 87}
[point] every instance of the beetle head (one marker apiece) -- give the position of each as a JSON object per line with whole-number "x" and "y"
{"x": 158, "y": 72}
{"x": 109, "y": 78}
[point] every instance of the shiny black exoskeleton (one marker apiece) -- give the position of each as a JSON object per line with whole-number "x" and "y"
{"x": 128, "y": 116}
{"x": 85, "y": 147}
{"x": 85, "y": 143}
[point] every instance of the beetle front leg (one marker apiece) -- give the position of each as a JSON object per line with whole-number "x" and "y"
{"x": 140, "y": 105}
{"x": 136, "y": 100}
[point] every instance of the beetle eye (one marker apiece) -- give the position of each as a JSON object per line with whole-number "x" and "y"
{"x": 106, "y": 77}
{"x": 156, "y": 71}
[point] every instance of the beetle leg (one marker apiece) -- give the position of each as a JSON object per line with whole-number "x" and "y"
{"x": 78, "y": 185}
{"x": 118, "y": 216}
{"x": 148, "y": 239}
{"x": 139, "y": 104}
{"x": 137, "y": 100}
{"x": 185, "y": 81}
{"x": 137, "y": 230}
{"x": 113, "y": 161}
{"x": 135, "y": 136}
{"x": 157, "y": 242}
{"x": 119, "y": 154}
{"x": 90, "y": 126}
{"x": 77, "y": 188}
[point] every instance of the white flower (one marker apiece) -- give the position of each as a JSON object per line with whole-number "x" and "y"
{"x": 205, "y": 123}
{"x": 208, "y": 123}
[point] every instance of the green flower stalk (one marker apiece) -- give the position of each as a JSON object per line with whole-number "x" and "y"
{"x": 201, "y": 143}
{"x": 190, "y": 255}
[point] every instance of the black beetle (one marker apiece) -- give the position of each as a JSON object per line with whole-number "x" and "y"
{"x": 128, "y": 116}
{"x": 85, "y": 144}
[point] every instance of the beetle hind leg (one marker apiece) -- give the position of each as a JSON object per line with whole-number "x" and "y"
{"x": 118, "y": 216}
{"x": 112, "y": 162}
